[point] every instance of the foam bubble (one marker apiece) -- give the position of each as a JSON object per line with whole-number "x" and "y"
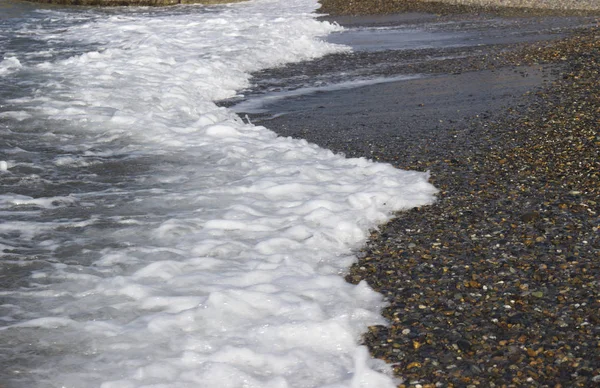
{"x": 9, "y": 65}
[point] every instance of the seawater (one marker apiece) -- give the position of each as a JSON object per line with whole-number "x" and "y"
{"x": 150, "y": 238}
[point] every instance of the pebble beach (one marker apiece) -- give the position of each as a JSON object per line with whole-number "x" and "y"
{"x": 497, "y": 284}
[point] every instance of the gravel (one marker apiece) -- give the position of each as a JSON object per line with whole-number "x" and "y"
{"x": 500, "y": 7}
{"x": 497, "y": 284}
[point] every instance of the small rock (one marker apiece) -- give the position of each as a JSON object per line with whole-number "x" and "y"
{"x": 530, "y": 217}
{"x": 537, "y": 294}
{"x": 464, "y": 345}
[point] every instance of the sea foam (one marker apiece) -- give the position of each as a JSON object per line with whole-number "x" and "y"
{"x": 192, "y": 249}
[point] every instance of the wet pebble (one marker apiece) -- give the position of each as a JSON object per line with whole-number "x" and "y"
{"x": 497, "y": 283}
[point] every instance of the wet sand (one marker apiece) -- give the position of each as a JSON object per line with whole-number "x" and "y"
{"x": 400, "y": 115}
{"x": 495, "y": 285}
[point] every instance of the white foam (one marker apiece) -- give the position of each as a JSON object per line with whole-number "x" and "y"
{"x": 10, "y": 200}
{"x": 19, "y": 115}
{"x": 220, "y": 266}
{"x": 9, "y": 65}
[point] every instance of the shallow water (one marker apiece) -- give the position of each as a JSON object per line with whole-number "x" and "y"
{"x": 150, "y": 237}
{"x": 394, "y": 38}
{"x": 388, "y": 48}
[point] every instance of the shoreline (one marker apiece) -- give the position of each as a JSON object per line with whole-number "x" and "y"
{"x": 494, "y": 285}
